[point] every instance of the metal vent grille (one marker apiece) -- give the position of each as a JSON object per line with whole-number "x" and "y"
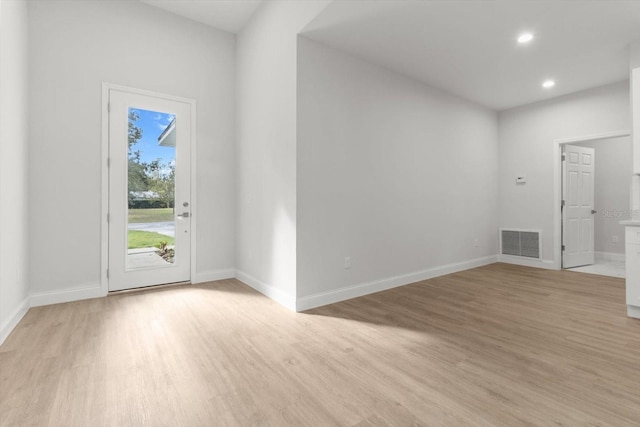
{"x": 520, "y": 243}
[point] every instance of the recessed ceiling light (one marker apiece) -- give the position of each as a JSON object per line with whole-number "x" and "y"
{"x": 525, "y": 38}
{"x": 548, "y": 84}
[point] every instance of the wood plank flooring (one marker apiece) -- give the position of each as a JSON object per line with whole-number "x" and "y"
{"x": 494, "y": 346}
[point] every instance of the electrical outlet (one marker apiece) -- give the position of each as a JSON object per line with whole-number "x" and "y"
{"x": 615, "y": 239}
{"x": 347, "y": 262}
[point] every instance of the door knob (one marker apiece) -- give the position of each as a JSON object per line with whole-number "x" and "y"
{"x": 183, "y": 215}
{"x": 593, "y": 211}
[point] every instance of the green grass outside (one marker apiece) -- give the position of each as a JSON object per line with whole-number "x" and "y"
{"x": 147, "y": 239}
{"x": 138, "y": 216}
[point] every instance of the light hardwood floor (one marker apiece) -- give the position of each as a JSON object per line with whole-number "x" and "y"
{"x": 493, "y": 346}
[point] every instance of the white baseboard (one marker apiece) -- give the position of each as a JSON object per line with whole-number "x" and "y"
{"x": 275, "y": 294}
{"x": 330, "y": 297}
{"x": 14, "y": 319}
{"x": 528, "y": 262}
{"x": 633, "y": 311}
{"x": 610, "y": 256}
{"x": 66, "y": 295}
{"x": 212, "y": 276}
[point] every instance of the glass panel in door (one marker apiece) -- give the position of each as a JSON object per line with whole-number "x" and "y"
{"x": 151, "y": 228}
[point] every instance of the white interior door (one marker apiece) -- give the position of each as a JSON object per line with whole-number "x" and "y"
{"x": 578, "y": 206}
{"x": 149, "y": 190}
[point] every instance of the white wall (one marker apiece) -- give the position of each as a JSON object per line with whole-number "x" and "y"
{"x": 266, "y": 159}
{"x": 527, "y": 147}
{"x": 74, "y": 47}
{"x": 13, "y": 164}
{"x": 612, "y": 180}
{"x": 634, "y": 63}
{"x": 634, "y": 54}
{"x": 396, "y": 175}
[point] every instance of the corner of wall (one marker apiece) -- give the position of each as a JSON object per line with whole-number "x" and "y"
{"x": 13, "y": 319}
{"x": 278, "y": 295}
{"x": 14, "y": 142}
{"x": 266, "y": 153}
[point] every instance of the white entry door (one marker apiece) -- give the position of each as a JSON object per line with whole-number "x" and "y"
{"x": 149, "y": 189}
{"x": 578, "y": 213}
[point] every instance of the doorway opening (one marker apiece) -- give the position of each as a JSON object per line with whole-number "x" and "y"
{"x": 595, "y": 198}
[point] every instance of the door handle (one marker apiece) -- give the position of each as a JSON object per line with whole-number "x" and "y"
{"x": 183, "y": 215}
{"x": 593, "y": 211}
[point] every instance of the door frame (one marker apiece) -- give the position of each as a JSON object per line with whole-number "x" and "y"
{"x": 104, "y": 210}
{"x": 557, "y": 186}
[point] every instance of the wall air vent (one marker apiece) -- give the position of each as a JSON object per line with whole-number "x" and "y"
{"x": 523, "y": 243}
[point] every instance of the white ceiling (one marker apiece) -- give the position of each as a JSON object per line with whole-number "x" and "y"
{"x": 226, "y": 15}
{"x": 469, "y": 47}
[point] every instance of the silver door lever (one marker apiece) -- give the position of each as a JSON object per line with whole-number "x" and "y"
{"x": 183, "y": 215}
